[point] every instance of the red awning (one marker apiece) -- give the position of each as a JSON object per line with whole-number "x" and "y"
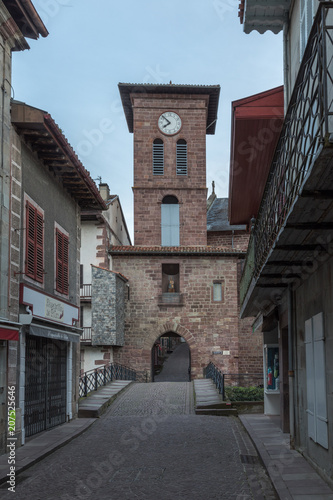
{"x": 9, "y": 334}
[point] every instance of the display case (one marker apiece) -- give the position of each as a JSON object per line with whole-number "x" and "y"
{"x": 271, "y": 379}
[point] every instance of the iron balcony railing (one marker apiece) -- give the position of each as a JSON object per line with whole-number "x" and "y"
{"x": 306, "y": 130}
{"x": 86, "y": 334}
{"x": 93, "y": 379}
{"x": 85, "y": 291}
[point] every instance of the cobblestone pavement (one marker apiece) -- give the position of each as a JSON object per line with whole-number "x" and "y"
{"x": 150, "y": 445}
{"x": 176, "y": 366}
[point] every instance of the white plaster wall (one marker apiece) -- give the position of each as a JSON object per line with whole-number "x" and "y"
{"x": 89, "y": 240}
{"x": 91, "y": 354}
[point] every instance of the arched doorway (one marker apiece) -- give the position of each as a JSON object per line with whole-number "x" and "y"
{"x": 171, "y": 359}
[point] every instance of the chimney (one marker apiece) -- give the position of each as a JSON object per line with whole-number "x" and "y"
{"x": 104, "y": 191}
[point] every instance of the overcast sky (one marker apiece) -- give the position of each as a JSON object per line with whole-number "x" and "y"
{"x": 93, "y": 45}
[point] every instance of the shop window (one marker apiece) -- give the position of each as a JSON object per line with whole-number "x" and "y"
{"x": 62, "y": 276}
{"x": 170, "y": 221}
{"x": 158, "y": 157}
{"x": 181, "y": 157}
{"x": 217, "y": 291}
{"x": 316, "y": 380}
{"x": 34, "y": 256}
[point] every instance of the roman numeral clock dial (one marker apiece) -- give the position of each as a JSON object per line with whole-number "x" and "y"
{"x": 169, "y": 123}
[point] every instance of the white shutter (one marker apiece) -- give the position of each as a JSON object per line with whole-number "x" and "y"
{"x": 310, "y": 379}
{"x": 320, "y": 380}
{"x": 316, "y": 380}
{"x": 170, "y": 225}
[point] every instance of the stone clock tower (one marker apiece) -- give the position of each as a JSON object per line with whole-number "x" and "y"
{"x": 170, "y": 123}
{"x": 182, "y": 269}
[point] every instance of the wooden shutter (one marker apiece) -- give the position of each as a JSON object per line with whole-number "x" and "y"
{"x": 62, "y": 262}
{"x": 34, "y": 258}
{"x": 170, "y": 225}
{"x": 316, "y": 380}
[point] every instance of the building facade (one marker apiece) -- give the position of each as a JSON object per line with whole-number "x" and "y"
{"x": 287, "y": 278}
{"x": 18, "y": 21}
{"x": 179, "y": 285}
{"x": 99, "y": 230}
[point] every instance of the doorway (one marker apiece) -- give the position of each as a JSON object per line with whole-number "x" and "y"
{"x": 171, "y": 359}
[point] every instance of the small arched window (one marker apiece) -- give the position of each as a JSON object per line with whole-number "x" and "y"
{"x": 158, "y": 157}
{"x": 170, "y": 221}
{"x": 181, "y": 157}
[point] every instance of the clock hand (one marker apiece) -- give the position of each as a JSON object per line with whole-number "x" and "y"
{"x": 169, "y": 123}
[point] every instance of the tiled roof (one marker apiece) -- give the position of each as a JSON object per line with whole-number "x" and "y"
{"x": 217, "y": 217}
{"x": 199, "y": 250}
{"x": 127, "y": 89}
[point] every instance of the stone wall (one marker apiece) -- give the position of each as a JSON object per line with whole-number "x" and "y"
{"x": 238, "y": 240}
{"x": 210, "y": 328}
{"x": 109, "y": 293}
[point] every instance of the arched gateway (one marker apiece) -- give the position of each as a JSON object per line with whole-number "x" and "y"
{"x": 170, "y": 359}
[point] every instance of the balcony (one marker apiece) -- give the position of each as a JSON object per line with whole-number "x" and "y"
{"x": 294, "y": 228}
{"x": 86, "y": 335}
{"x": 85, "y": 292}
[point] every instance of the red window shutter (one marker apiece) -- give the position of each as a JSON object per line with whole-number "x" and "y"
{"x": 62, "y": 262}
{"x": 34, "y": 258}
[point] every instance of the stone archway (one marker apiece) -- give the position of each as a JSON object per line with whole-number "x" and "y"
{"x": 170, "y": 359}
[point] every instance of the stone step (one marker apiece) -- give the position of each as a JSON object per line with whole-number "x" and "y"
{"x": 96, "y": 403}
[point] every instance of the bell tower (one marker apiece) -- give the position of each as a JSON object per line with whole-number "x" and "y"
{"x": 169, "y": 124}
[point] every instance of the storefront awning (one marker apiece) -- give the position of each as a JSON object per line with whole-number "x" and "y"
{"x": 7, "y": 333}
{"x": 52, "y": 333}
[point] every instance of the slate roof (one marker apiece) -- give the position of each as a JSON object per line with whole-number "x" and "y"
{"x": 217, "y": 217}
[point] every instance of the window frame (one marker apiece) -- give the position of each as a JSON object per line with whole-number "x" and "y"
{"x": 221, "y": 283}
{"x": 158, "y": 156}
{"x": 181, "y": 158}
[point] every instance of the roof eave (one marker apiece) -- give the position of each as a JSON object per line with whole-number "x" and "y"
{"x": 265, "y": 15}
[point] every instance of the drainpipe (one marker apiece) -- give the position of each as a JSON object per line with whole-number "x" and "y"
{"x": 286, "y": 60}
{"x": 291, "y": 374}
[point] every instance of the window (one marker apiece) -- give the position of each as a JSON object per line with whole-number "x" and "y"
{"x": 158, "y": 157}
{"x": 170, "y": 221}
{"x": 308, "y": 11}
{"x": 34, "y": 256}
{"x": 181, "y": 157}
{"x": 217, "y": 292}
{"x": 316, "y": 380}
{"x": 61, "y": 262}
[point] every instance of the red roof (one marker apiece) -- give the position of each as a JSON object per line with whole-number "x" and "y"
{"x": 203, "y": 250}
{"x": 256, "y": 125}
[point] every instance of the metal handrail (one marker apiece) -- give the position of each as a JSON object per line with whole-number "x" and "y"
{"x": 217, "y": 376}
{"x": 92, "y": 379}
{"x": 305, "y": 131}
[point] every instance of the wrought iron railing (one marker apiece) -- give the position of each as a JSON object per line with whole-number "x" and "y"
{"x": 227, "y": 381}
{"x": 217, "y": 376}
{"x": 93, "y": 379}
{"x": 85, "y": 291}
{"x": 306, "y": 130}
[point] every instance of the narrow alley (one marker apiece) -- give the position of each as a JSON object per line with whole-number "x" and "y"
{"x": 150, "y": 444}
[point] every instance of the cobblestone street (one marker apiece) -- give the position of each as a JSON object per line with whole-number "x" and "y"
{"x": 150, "y": 445}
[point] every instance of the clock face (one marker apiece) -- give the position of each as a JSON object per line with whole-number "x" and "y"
{"x": 169, "y": 123}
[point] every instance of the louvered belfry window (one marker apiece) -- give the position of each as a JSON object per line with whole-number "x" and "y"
{"x": 61, "y": 262}
{"x": 34, "y": 258}
{"x": 181, "y": 157}
{"x": 158, "y": 157}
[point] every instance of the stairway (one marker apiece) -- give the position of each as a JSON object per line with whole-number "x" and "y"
{"x": 208, "y": 401}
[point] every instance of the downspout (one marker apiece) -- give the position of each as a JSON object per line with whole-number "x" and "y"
{"x": 291, "y": 373}
{"x": 286, "y": 65}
